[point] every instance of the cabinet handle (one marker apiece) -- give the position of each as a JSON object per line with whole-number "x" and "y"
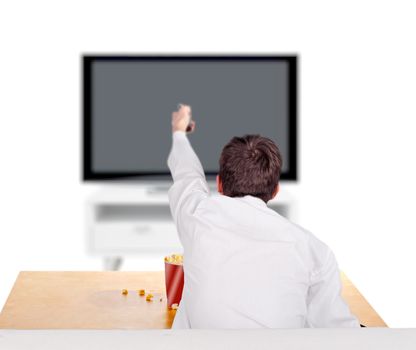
{"x": 142, "y": 229}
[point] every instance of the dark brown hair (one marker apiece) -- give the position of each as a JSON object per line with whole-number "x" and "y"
{"x": 250, "y": 165}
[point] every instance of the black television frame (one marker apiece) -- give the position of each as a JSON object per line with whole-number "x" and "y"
{"x": 87, "y": 60}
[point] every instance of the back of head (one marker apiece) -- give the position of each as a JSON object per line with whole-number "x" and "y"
{"x": 250, "y": 165}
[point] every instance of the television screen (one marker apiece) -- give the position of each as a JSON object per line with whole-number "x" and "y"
{"x": 128, "y": 102}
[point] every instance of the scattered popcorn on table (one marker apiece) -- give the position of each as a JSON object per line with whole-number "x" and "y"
{"x": 124, "y": 292}
{"x": 174, "y": 306}
{"x": 142, "y": 292}
{"x": 174, "y": 259}
{"x": 149, "y": 297}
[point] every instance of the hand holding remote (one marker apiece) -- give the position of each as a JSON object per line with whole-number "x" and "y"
{"x": 182, "y": 119}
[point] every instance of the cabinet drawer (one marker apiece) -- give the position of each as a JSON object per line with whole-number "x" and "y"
{"x": 134, "y": 236}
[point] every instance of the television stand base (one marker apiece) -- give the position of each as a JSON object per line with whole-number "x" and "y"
{"x": 112, "y": 263}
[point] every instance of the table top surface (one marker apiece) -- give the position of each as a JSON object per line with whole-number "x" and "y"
{"x": 93, "y": 300}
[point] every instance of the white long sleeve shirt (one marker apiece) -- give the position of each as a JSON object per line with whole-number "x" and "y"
{"x": 245, "y": 265}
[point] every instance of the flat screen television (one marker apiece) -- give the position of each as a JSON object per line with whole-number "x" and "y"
{"x": 128, "y": 102}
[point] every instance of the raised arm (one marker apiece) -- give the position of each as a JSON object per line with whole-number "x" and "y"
{"x": 189, "y": 184}
{"x": 326, "y": 307}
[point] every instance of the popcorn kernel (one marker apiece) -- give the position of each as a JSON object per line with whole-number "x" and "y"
{"x": 124, "y": 292}
{"x": 174, "y": 259}
{"x": 149, "y": 297}
{"x": 142, "y": 292}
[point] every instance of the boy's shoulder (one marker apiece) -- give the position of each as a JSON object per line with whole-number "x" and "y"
{"x": 314, "y": 249}
{"x": 299, "y": 233}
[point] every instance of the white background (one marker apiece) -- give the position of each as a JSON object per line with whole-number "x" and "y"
{"x": 357, "y": 123}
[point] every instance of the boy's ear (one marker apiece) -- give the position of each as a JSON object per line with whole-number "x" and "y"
{"x": 219, "y": 185}
{"x": 276, "y": 190}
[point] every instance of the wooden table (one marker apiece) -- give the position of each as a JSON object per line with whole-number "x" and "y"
{"x": 93, "y": 300}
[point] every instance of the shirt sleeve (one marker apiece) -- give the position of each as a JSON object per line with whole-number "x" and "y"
{"x": 326, "y": 307}
{"x": 189, "y": 184}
